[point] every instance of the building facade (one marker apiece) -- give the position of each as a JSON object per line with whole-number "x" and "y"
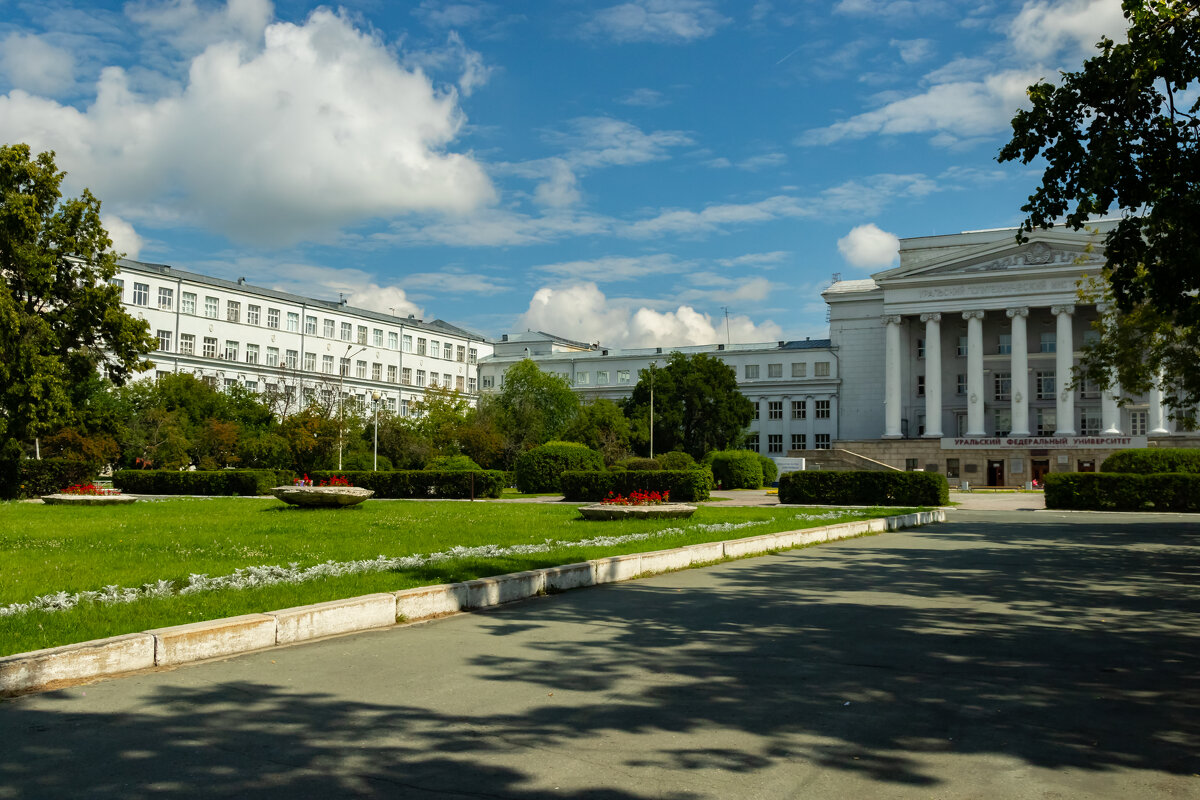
{"x": 294, "y": 349}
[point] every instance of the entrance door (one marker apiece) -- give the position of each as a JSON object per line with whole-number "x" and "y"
{"x": 1038, "y": 469}
{"x": 1087, "y": 466}
{"x": 995, "y": 473}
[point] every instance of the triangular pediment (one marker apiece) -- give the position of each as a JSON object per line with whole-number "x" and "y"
{"x": 1045, "y": 251}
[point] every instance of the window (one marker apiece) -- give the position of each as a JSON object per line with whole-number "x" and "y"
{"x": 960, "y": 382}
{"x": 751, "y": 372}
{"x": 273, "y": 320}
{"x": 823, "y": 441}
{"x": 210, "y": 347}
{"x": 187, "y": 344}
{"x": 821, "y": 369}
{"x": 164, "y": 341}
{"x": 799, "y": 409}
{"x": 960, "y": 424}
{"x": 406, "y": 376}
{"x": 328, "y": 328}
{"x": 393, "y": 340}
{"x": 798, "y": 442}
{"x": 756, "y": 405}
{"x": 799, "y": 369}
{"x": 362, "y": 334}
{"x": 403, "y": 406}
{"x": 821, "y": 408}
{"x": 327, "y": 364}
{"x": 272, "y": 356}
{"x": 390, "y": 403}
{"x": 952, "y": 467}
{"x": 458, "y": 383}
{"x": 1047, "y": 421}
{"x": 391, "y": 373}
{"x": 920, "y": 386}
{"x": 775, "y": 409}
{"x": 774, "y": 370}
{"x": 187, "y": 303}
{"x": 1003, "y": 385}
{"x": 775, "y": 443}
{"x": 253, "y": 314}
{"x": 420, "y": 377}
{"x": 460, "y": 353}
{"x": 920, "y": 348}
{"x": 347, "y": 331}
{"x": 231, "y": 350}
{"x": 1048, "y": 343}
{"x": 601, "y": 377}
{"x": 435, "y": 348}
{"x": 377, "y": 372}
{"x": 920, "y": 424}
{"x": 141, "y": 294}
{"x": 377, "y": 337}
{"x": 622, "y": 376}
{"x": 310, "y": 360}
{"x": 120, "y": 284}
{"x": 233, "y": 311}
{"x": 488, "y": 382}
{"x": 210, "y": 307}
{"x": 1137, "y": 423}
{"x": 421, "y": 345}
{"x": 1088, "y": 390}
{"x": 360, "y": 369}
{"x": 960, "y": 349}
{"x": 1004, "y": 344}
{"x": 1002, "y": 419}
{"x": 751, "y": 442}
{"x": 447, "y": 351}
{"x": 583, "y": 378}
{"x": 230, "y": 383}
{"x": 1089, "y": 422}
{"x": 251, "y": 354}
{"x": 446, "y": 377}
{"x": 343, "y": 367}
{"x": 472, "y": 355}
{"x": 293, "y": 322}
{"x": 407, "y": 343}
{"x": 1045, "y": 384}
{"x": 910, "y": 464}
{"x": 166, "y": 298}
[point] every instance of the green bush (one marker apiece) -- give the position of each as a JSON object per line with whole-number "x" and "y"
{"x": 736, "y": 469}
{"x": 422, "y": 483}
{"x": 1154, "y": 460}
{"x": 365, "y": 462}
{"x": 1108, "y": 491}
{"x": 452, "y": 464}
{"x": 770, "y": 469}
{"x": 49, "y": 475}
{"x": 539, "y": 469}
{"x": 201, "y": 482}
{"x": 638, "y": 464}
{"x": 675, "y": 460}
{"x": 594, "y": 485}
{"x": 864, "y": 488}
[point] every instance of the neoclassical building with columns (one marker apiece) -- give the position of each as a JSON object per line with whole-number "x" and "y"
{"x": 960, "y": 360}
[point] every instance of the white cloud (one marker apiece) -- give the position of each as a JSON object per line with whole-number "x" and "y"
{"x": 889, "y": 8}
{"x": 454, "y": 15}
{"x": 648, "y": 98}
{"x": 913, "y": 50}
{"x": 604, "y": 141}
{"x": 454, "y": 56}
{"x": 1043, "y": 28}
{"x": 670, "y": 21}
{"x": 755, "y": 259}
{"x": 190, "y": 28}
{"x": 560, "y": 189}
{"x": 319, "y": 129}
{"x": 581, "y": 311}
{"x": 869, "y": 247}
{"x": 763, "y": 161}
{"x": 617, "y": 268}
{"x": 124, "y": 238}
{"x": 492, "y": 227}
{"x": 453, "y": 282}
{"x": 32, "y": 63}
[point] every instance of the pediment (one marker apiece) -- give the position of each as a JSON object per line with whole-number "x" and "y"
{"x": 1042, "y": 253}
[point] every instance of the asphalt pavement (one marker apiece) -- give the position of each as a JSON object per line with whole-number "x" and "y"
{"x": 998, "y": 655}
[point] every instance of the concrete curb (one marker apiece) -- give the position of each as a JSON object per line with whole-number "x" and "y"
{"x": 62, "y": 666}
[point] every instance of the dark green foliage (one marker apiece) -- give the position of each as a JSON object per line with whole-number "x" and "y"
{"x": 864, "y": 488}
{"x": 594, "y": 485}
{"x": 675, "y": 460}
{"x": 365, "y": 461}
{"x": 1108, "y": 491}
{"x": 420, "y": 483}
{"x": 601, "y": 425}
{"x": 1153, "y": 460}
{"x": 243, "y": 482}
{"x": 769, "y": 468}
{"x": 539, "y": 469}
{"x": 451, "y": 463}
{"x": 50, "y": 475}
{"x": 531, "y": 408}
{"x": 736, "y": 469}
{"x": 638, "y": 464}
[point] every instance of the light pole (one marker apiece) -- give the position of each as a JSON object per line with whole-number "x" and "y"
{"x": 375, "y": 395}
{"x": 653, "y": 365}
{"x": 342, "y": 370}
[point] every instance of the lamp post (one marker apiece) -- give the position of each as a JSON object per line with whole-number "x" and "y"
{"x": 653, "y": 365}
{"x": 375, "y": 396}
{"x": 342, "y": 370}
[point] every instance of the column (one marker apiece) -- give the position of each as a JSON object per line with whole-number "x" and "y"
{"x": 810, "y": 413}
{"x": 1110, "y": 410}
{"x": 1064, "y": 361}
{"x": 1019, "y": 366}
{"x": 834, "y": 431}
{"x": 933, "y": 374}
{"x": 891, "y": 374}
{"x": 975, "y": 426}
{"x": 1158, "y": 413}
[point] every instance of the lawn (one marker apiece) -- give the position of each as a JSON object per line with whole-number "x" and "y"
{"x": 49, "y": 549}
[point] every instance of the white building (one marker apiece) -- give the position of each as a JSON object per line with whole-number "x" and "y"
{"x": 293, "y": 348}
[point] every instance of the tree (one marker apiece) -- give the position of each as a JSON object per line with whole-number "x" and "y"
{"x": 697, "y": 406}
{"x": 531, "y": 408}
{"x": 60, "y": 319}
{"x": 602, "y": 426}
{"x": 1122, "y": 135}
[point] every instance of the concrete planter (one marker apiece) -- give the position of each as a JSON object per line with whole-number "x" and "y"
{"x": 322, "y": 496}
{"x": 601, "y": 511}
{"x": 88, "y": 499}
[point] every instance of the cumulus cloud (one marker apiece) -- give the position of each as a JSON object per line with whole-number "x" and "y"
{"x": 560, "y": 188}
{"x": 319, "y": 128}
{"x": 191, "y": 28}
{"x": 124, "y": 238}
{"x": 32, "y": 63}
{"x": 454, "y": 56}
{"x": 1042, "y": 29}
{"x": 668, "y": 21}
{"x": 581, "y": 311}
{"x": 869, "y": 247}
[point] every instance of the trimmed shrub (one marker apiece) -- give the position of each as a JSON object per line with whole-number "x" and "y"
{"x": 638, "y": 464}
{"x": 539, "y": 469}
{"x": 770, "y": 469}
{"x": 201, "y": 482}
{"x": 452, "y": 464}
{"x": 422, "y": 483}
{"x": 864, "y": 488}
{"x": 676, "y": 460}
{"x": 1107, "y": 491}
{"x": 365, "y": 462}
{"x": 1145, "y": 462}
{"x": 736, "y": 469}
{"x": 594, "y": 485}
{"x": 49, "y": 475}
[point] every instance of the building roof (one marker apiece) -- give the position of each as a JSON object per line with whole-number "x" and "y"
{"x": 850, "y": 287}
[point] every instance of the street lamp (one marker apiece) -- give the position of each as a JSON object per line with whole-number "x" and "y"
{"x": 653, "y": 365}
{"x": 376, "y": 395}
{"x": 342, "y": 370}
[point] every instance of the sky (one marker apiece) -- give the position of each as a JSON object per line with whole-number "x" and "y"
{"x": 650, "y": 172}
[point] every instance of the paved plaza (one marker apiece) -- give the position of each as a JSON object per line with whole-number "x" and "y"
{"x": 1001, "y": 654}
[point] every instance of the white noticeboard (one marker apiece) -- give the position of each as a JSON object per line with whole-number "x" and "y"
{"x": 789, "y": 465}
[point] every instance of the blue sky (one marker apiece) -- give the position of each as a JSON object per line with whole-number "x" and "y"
{"x": 613, "y": 171}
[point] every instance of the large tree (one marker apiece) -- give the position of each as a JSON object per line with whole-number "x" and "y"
{"x": 1121, "y": 136}
{"x": 531, "y": 408}
{"x": 697, "y": 406}
{"x": 61, "y": 320}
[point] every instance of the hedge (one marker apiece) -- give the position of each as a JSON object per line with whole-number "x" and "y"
{"x": 638, "y": 464}
{"x": 864, "y": 488}
{"x": 736, "y": 469}
{"x": 1108, "y": 491}
{"x": 246, "y": 482}
{"x": 676, "y": 459}
{"x": 770, "y": 469}
{"x": 422, "y": 483}
{"x": 539, "y": 469}
{"x": 1146, "y": 462}
{"x": 593, "y": 485}
{"x": 452, "y": 464}
{"x": 49, "y": 475}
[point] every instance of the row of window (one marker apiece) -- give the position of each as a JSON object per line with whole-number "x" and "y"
{"x": 799, "y": 370}
{"x": 347, "y": 332}
{"x": 821, "y": 441}
{"x": 326, "y": 394}
{"x": 1044, "y": 383}
{"x": 602, "y": 377}
{"x": 821, "y": 409}
{"x": 1047, "y": 343}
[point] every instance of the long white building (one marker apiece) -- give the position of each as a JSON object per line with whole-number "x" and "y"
{"x": 295, "y": 349}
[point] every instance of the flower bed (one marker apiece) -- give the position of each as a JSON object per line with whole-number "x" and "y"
{"x": 87, "y": 494}
{"x": 637, "y": 498}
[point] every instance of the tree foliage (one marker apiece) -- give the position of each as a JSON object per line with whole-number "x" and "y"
{"x": 601, "y": 426}
{"x": 1122, "y": 136}
{"x": 531, "y": 408}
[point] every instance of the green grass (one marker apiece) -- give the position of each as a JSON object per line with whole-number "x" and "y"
{"x": 510, "y": 493}
{"x": 46, "y": 549}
